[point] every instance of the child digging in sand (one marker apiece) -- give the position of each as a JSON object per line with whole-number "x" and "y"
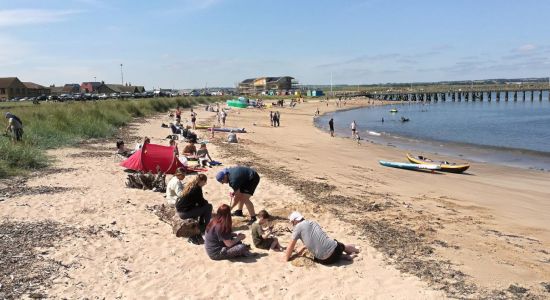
{"x": 263, "y": 238}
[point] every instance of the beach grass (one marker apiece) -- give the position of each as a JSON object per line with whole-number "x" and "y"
{"x": 54, "y": 125}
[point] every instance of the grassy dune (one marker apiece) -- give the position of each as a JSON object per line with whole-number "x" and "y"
{"x": 53, "y": 125}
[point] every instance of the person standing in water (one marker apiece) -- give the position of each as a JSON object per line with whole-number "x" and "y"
{"x": 331, "y": 127}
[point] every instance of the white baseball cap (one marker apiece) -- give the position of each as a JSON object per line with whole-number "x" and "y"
{"x": 295, "y": 216}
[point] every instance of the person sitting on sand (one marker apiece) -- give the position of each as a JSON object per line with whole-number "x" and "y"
{"x": 175, "y": 145}
{"x": 325, "y": 250}
{"x": 175, "y": 186}
{"x": 263, "y": 238}
{"x": 146, "y": 141}
{"x": 243, "y": 181}
{"x": 203, "y": 156}
{"x": 122, "y": 150}
{"x": 190, "y": 151}
{"x": 219, "y": 240}
{"x": 191, "y": 204}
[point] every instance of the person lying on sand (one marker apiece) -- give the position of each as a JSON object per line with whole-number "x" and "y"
{"x": 263, "y": 238}
{"x": 191, "y": 204}
{"x": 243, "y": 181}
{"x": 175, "y": 186}
{"x": 325, "y": 250}
{"x": 219, "y": 241}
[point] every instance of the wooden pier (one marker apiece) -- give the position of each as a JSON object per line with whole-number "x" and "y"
{"x": 458, "y": 96}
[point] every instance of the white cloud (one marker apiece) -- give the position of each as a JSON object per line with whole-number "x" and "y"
{"x": 19, "y": 17}
{"x": 527, "y": 48}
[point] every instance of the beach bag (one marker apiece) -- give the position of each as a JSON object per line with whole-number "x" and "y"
{"x": 232, "y": 138}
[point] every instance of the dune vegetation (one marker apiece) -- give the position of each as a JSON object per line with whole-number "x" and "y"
{"x": 53, "y": 125}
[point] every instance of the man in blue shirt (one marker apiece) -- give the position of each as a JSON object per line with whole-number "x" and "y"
{"x": 243, "y": 181}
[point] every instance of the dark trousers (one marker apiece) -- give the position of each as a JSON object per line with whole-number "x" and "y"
{"x": 204, "y": 213}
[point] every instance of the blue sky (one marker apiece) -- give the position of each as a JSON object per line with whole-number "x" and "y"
{"x": 193, "y": 43}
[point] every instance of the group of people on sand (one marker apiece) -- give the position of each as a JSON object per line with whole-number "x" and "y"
{"x": 217, "y": 234}
{"x": 353, "y": 126}
{"x": 216, "y": 231}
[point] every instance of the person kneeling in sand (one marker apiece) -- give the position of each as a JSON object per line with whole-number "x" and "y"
{"x": 325, "y": 250}
{"x": 264, "y": 239}
{"x": 219, "y": 241}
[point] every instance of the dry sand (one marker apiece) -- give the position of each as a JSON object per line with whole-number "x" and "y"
{"x": 423, "y": 235}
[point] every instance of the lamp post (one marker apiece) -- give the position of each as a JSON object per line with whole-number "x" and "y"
{"x": 121, "y": 75}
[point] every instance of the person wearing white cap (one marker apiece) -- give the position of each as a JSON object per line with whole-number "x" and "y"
{"x": 325, "y": 250}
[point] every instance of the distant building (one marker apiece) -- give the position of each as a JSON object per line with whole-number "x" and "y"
{"x": 119, "y": 88}
{"x": 90, "y": 87}
{"x": 71, "y": 88}
{"x": 34, "y": 89}
{"x": 11, "y": 87}
{"x": 270, "y": 85}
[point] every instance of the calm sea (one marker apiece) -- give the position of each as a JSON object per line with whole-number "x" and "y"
{"x": 510, "y": 133}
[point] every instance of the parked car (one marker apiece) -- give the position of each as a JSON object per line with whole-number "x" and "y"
{"x": 102, "y": 96}
{"x": 114, "y": 95}
{"x": 53, "y": 97}
{"x": 42, "y": 97}
{"x": 78, "y": 97}
{"x": 125, "y": 95}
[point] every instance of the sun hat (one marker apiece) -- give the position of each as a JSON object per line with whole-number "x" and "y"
{"x": 295, "y": 216}
{"x": 221, "y": 174}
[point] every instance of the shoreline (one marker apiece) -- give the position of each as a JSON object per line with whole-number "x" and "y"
{"x": 474, "y": 153}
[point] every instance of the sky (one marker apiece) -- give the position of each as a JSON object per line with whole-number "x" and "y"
{"x": 198, "y": 43}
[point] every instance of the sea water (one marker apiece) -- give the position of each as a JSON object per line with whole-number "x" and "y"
{"x": 515, "y": 133}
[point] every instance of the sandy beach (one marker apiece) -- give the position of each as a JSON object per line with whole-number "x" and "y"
{"x": 422, "y": 235}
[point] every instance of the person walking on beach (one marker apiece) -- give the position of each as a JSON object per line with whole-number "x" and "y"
{"x": 331, "y": 127}
{"x": 178, "y": 114}
{"x": 193, "y": 119}
{"x": 191, "y": 204}
{"x": 175, "y": 186}
{"x": 243, "y": 181}
{"x": 325, "y": 250}
{"x": 219, "y": 240}
{"x": 277, "y": 119}
{"x": 15, "y": 127}
{"x": 223, "y": 115}
{"x": 271, "y": 117}
{"x": 353, "y": 129}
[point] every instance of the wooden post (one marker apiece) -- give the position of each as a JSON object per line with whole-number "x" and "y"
{"x": 532, "y": 95}
{"x": 498, "y": 95}
{"x": 540, "y": 95}
{"x": 506, "y": 96}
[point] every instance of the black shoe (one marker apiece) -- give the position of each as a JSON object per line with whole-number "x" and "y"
{"x": 251, "y": 221}
{"x": 238, "y": 213}
{"x": 196, "y": 239}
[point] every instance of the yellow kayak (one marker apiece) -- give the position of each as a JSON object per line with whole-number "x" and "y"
{"x": 445, "y": 166}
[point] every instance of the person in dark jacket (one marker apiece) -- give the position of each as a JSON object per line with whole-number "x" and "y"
{"x": 191, "y": 203}
{"x": 243, "y": 181}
